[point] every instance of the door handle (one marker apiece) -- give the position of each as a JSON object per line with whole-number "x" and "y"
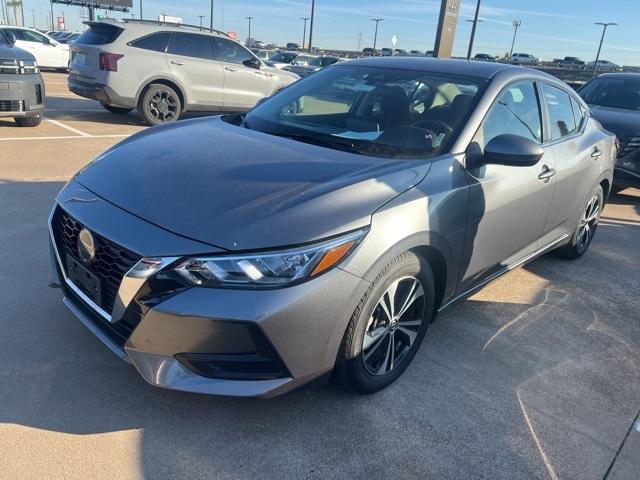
{"x": 547, "y": 173}
{"x": 176, "y": 63}
{"x": 230, "y": 69}
{"x": 596, "y": 153}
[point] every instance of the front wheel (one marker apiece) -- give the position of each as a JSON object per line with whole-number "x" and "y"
{"x": 28, "y": 121}
{"x": 388, "y": 326}
{"x": 587, "y": 225}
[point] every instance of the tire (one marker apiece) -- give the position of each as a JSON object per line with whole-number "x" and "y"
{"x": 368, "y": 368}
{"x": 159, "y": 104}
{"x": 586, "y": 228}
{"x": 116, "y": 110}
{"x": 28, "y": 121}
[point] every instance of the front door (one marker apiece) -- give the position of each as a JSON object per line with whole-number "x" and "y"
{"x": 508, "y": 206}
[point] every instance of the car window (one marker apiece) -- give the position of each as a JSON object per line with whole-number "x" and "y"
{"x": 231, "y": 52}
{"x": 517, "y": 112}
{"x": 29, "y": 36}
{"x": 559, "y": 111}
{"x": 98, "y": 34}
{"x": 156, "y": 42}
{"x": 191, "y": 45}
{"x": 613, "y": 92}
{"x": 579, "y": 113}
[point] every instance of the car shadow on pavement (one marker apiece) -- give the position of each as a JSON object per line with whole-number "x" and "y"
{"x": 502, "y": 387}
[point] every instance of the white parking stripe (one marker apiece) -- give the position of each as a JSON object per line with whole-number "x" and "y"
{"x": 69, "y": 137}
{"x": 67, "y": 127}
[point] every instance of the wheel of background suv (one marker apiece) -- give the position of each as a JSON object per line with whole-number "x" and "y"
{"x": 118, "y": 110}
{"x": 28, "y": 121}
{"x": 159, "y": 104}
{"x": 388, "y": 326}
{"x": 587, "y": 224}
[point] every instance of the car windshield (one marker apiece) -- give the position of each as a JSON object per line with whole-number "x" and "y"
{"x": 383, "y": 112}
{"x": 613, "y": 92}
{"x": 284, "y": 57}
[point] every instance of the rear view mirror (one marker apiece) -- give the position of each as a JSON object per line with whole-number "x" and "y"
{"x": 512, "y": 150}
{"x": 252, "y": 63}
{"x": 11, "y": 38}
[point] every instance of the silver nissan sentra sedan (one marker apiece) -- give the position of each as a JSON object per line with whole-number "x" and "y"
{"x": 320, "y": 233}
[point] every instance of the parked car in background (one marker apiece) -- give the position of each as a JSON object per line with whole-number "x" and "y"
{"x": 484, "y": 57}
{"x": 524, "y": 59}
{"x": 604, "y": 66}
{"x": 320, "y": 232}
{"x": 24, "y": 101}
{"x": 429, "y": 53}
{"x": 293, "y": 46}
{"x": 165, "y": 69}
{"x": 386, "y": 52}
{"x": 416, "y": 53}
{"x": 49, "y": 53}
{"x": 282, "y": 59}
{"x": 311, "y": 64}
{"x": 67, "y": 39}
{"x": 263, "y": 54}
{"x": 614, "y": 100}
{"x": 569, "y": 62}
{"x": 368, "y": 51}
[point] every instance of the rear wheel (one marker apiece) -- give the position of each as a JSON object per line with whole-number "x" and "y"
{"x": 117, "y": 110}
{"x": 587, "y": 225}
{"x": 28, "y": 121}
{"x": 388, "y": 326}
{"x": 159, "y": 104}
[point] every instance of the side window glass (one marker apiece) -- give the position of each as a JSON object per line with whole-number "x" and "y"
{"x": 578, "y": 113}
{"x": 156, "y": 42}
{"x": 191, "y": 45}
{"x": 19, "y": 34}
{"x": 231, "y": 52}
{"x": 517, "y": 112}
{"x": 30, "y": 36}
{"x": 560, "y": 112}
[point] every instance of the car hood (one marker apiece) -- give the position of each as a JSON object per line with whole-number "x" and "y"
{"x": 240, "y": 189}
{"x": 622, "y": 122}
{"x": 14, "y": 53}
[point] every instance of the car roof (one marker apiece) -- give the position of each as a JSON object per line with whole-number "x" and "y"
{"x": 155, "y": 25}
{"x": 621, "y": 75}
{"x": 446, "y": 66}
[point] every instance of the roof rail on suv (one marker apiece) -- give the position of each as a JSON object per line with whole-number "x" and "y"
{"x": 172, "y": 24}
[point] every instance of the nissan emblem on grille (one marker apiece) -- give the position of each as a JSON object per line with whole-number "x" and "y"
{"x": 86, "y": 247}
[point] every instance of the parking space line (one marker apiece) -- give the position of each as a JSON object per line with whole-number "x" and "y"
{"x": 67, "y": 127}
{"x": 68, "y": 137}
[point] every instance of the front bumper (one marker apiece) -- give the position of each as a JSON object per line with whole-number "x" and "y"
{"x": 21, "y": 95}
{"x": 214, "y": 341}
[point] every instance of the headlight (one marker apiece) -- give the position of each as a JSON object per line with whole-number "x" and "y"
{"x": 269, "y": 269}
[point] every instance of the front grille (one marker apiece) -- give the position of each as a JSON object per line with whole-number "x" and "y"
{"x": 11, "y": 105}
{"x": 629, "y": 145}
{"x": 112, "y": 260}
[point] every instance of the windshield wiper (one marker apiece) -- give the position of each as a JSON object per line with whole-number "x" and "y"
{"x": 324, "y": 141}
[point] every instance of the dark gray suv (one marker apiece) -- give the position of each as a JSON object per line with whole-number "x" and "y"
{"x": 322, "y": 231}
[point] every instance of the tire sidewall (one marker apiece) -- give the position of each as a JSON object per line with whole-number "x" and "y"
{"x": 574, "y": 242}
{"x": 143, "y": 107}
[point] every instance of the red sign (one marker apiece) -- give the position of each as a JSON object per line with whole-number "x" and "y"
{"x": 232, "y": 35}
{"x": 60, "y": 23}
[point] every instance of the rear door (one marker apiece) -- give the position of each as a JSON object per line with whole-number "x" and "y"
{"x": 193, "y": 64}
{"x": 578, "y": 158}
{"x": 243, "y": 86}
{"x": 508, "y": 206}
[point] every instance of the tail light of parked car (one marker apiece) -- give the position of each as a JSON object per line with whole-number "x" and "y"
{"x": 109, "y": 61}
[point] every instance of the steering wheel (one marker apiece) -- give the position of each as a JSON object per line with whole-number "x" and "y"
{"x": 434, "y": 125}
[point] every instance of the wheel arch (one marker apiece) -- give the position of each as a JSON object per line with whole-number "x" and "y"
{"x": 163, "y": 81}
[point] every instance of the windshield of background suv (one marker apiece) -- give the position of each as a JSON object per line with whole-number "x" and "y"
{"x": 283, "y": 57}
{"x": 384, "y": 112}
{"x": 613, "y": 92}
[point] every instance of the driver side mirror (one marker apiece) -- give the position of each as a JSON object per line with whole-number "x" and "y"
{"x": 11, "y": 38}
{"x": 252, "y": 63}
{"x": 510, "y": 150}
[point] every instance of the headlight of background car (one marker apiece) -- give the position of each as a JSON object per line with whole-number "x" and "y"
{"x": 269, "y": 269}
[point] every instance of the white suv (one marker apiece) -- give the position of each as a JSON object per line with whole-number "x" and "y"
{"x": 49, "y": 53}
{"x": 524, "y": 59}
{"x": 165, "y": 69}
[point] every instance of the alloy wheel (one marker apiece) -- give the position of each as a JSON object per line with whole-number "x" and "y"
{"x": 393, "y": 326}
{"x": 588, "y": 222}
{"x": 163, "y": 106}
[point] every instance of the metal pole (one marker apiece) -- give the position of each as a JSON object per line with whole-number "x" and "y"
{"x": 516, "y": 24}
{"x": 33, "y": 16}
{"x": 604, "y": 30}
{"x": 248, "y": 43}
{"x": 53, "y": 24}
{"x": 375, "y": 35}
{"x": 200, "y": 17}
{"x": 304, "y": 30}
{"x": 211, "y": 17}
{"x": 473, "y": 30}
{"x": 22, "y": 14}
{"x": 313, "y": 9}
{"x": 140, "y": 9}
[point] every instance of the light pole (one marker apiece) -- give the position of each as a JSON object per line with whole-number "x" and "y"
{"x": 200, "y": 17}
{"x": 249, "y": 37}
{"x": 375, "y": 35}
{"x": 473, "y": 30}
{"x": 53, "y": 25}
{"x": 140, "y": 9}
{"x": 304, "y": 30}
{"x": 211, "y": 16}
{"x": 33, "y": 16}
{"x": 604, "y": 30}
{"x": 516, "y": 25}
{"x": 313, "y": 10}
{"x": 471, "y": 39}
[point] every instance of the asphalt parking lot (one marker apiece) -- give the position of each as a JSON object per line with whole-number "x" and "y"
{"x": 536, "y": 376}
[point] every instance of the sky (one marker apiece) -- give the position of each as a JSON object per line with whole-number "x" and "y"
{"x": 550, "y": 28}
